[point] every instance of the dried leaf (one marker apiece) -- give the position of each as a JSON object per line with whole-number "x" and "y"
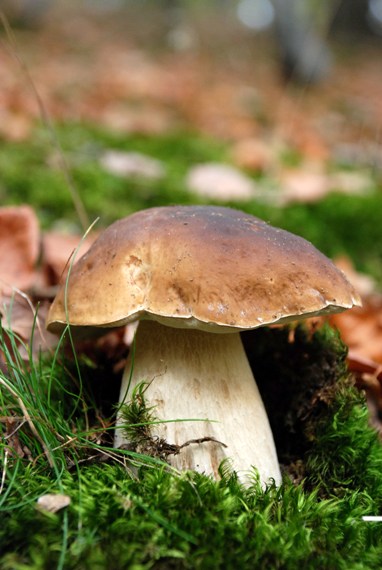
{"x": 361, "y": 328}
{"x": 305, "y": 184}
{"x": 19, "y": 315}
{"x": 11, "y": 437}
{"x": 19, "y": 247}
{"x": 16, "y": 127}
{"x": 53, "y": 502}
{"x": 132, "y": 165}
{"x": 252, "y": 154}
{"x": 220, "y": 182}
{"x": 57, "y": 252}
{"x": 364, "y": 284}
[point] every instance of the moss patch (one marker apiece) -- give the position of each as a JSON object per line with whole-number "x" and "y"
{"x": 158, "y": 519}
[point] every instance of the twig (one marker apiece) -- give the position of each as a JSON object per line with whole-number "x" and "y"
{"x": 16, "y": 428}
{"x": 201, "y": 440}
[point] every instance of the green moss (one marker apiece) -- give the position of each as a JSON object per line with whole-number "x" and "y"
{"x": 161, "y": 520}
{"x": 32, "y": 173}
{"x": 187, "y": 522}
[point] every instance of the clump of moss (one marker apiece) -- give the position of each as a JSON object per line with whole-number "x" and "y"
{"x": 297, "y": 371}
{"x": 319, "y": 418}
{"x": 137, "y": 420}
{"x": 159, "y": 519}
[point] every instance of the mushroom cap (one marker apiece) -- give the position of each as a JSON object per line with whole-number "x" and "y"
{"x": 207, "y": 267}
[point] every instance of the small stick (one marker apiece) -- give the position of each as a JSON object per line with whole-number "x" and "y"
{"x": 201, "y": 440}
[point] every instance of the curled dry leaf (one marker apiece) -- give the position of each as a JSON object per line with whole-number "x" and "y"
{"x": 361, "y": 330}
{"x": 29, "y": 278}
{"x": 19, "y": 247}
{"x": 368, "y": 375}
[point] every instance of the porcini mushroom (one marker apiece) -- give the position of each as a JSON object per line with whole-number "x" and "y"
{"x": 195, "y": 276}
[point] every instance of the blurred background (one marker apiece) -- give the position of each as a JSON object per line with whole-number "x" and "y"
{"x": 279, "y": 84}
{"x": 271, "y": 106}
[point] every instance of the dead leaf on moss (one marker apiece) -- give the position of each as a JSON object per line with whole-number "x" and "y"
{"x": 304, "y": 184}
{"x": 220, "y": 182}
{"x": 53, "y": 502}
{"x": 132, "y": 165}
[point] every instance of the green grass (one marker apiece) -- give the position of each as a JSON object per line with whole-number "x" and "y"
{"x": 159, "y": 519}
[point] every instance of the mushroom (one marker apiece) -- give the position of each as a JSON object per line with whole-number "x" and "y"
{"x": 195, "y": 276}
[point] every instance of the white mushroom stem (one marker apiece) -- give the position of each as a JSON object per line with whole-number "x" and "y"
{"x": 203, "y": 380}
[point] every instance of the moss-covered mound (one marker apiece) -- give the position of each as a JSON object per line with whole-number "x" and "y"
{"x": 331, "y": 457}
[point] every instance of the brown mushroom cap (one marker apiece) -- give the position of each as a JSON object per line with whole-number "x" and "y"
{"x": 207, "y": 267}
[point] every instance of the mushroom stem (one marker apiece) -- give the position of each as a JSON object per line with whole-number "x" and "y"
{"x": 203, "y": 380}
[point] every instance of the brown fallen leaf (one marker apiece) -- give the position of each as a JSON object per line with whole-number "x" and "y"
{"x": 361, "y": 328}
{"x": 57, "y": 252}
{"x": 15, "y": 127}
{"x": 19, "y": 315}
{"x": 364, "y": 284}
{"x": 368, "y": 377}
{"x": 19, "y": 247}
{"x": 364, "y": 366}
{"x": 11, "y": 437}
{"x": 253, "y": 154}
